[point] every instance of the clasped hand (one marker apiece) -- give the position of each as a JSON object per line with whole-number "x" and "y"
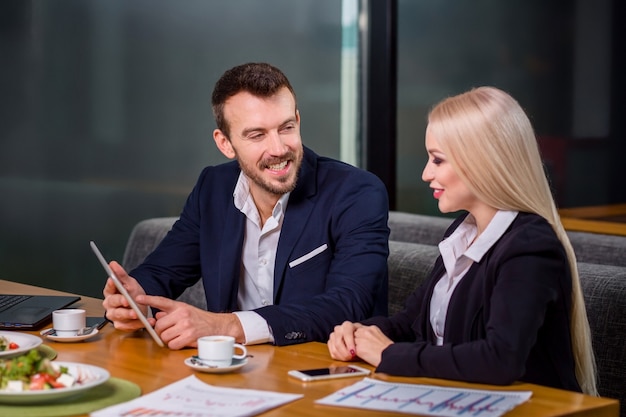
{"x": 178, "y": 324}
{"x": 351, "y": 340}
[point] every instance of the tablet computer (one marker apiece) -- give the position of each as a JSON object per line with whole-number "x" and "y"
{"x": 126, "y": 295}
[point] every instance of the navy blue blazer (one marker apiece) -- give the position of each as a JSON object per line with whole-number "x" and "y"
{"x": 508, "y": 319}
{"x": 333, "y": 204}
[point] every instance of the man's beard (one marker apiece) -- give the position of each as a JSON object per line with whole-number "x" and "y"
{"x": 287, "y": 184}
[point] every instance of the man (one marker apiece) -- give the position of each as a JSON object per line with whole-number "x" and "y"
{"x": 288, "y": 244}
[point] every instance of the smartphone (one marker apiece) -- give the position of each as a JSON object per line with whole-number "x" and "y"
{"x": 96, "y": 322}
{"x": 126, "y": 295}
{"x": 328, "y": 373}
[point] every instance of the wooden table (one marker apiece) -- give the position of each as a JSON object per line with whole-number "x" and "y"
{"x": 135, "y": 357}
{"x": 609, "y": 219}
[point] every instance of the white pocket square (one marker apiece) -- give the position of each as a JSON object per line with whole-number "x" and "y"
{"x": 308, "y": 256}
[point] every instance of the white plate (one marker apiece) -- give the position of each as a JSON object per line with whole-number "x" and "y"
{"x": 67, "y": 339}
{"x": 89, "y": 375}
{"x": 25, "y": 342}
{"x": 237, "y": 363}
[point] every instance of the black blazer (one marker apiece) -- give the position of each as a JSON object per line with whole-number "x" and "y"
{"x": 331, "y": 261}
{"x": 508, "y": 319}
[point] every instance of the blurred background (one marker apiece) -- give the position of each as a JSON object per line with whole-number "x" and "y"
{"x": 105, "y": 114}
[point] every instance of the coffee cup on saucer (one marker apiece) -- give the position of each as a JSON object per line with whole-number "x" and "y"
{"x": 219, "y": 351}
{"x": 68, "y": 321}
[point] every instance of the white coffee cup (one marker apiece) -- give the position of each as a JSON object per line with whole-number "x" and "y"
{"x": 68, "y": 321}
{"x": 219, "y": 351}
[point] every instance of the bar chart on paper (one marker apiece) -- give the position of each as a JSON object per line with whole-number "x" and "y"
{"x": 425, "y": 399}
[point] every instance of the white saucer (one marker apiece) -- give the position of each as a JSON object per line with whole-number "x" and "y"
{"x": 68, "y": 339}
{"x": 237, "y": 363}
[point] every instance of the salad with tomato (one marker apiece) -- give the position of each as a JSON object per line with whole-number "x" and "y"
{"x": 6, "y": 344}
{"x": 32, "y": 372}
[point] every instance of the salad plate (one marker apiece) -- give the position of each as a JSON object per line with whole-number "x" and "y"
{"x": 194, "y": 363}
{"x": 87, "y": 377}
{"x": 69, "y": 339}
{"x": 24, "y": 341}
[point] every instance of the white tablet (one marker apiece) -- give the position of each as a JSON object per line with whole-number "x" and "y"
{"x": 125, "y": 293}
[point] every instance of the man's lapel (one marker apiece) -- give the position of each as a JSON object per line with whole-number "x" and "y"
{"x": 299, "y": 210}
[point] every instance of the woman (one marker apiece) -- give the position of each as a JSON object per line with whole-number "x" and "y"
{"x": 503, "y": 301}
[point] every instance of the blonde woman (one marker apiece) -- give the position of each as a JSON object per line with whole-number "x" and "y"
{"x": 503, "y": 302}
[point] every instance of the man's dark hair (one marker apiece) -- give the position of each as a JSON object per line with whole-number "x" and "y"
{"x": 259, "y": 79}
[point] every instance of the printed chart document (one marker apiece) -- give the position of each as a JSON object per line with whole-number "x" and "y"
{"x": 428, "y": 400}
{"x": 192, "y": 397}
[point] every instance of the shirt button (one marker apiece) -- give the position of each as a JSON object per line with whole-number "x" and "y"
{"x": 264, "y": 302}
{"x": 263, "y": 262}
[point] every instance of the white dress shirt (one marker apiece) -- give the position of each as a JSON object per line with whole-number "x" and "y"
{"x": 256, "y": 282}
{"x": 458, "y": 254}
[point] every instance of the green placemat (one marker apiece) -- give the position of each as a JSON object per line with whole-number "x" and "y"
{"x": 112, "y": 392}
{"x": 47, "y": 352}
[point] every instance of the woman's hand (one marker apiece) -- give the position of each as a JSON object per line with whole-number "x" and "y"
{"x": 341, "y": 344}
{"x": 370, "y": 342}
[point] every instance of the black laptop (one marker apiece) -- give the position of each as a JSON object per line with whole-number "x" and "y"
{"x": 28, "y": 312}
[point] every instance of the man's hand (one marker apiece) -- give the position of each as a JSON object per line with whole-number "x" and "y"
{"x": 117, "y": 308}
{"x": 180, "y": 325}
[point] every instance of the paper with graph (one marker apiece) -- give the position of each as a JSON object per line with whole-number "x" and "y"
{"x": 428, "y": 400}
{"x": 192, "y": 397}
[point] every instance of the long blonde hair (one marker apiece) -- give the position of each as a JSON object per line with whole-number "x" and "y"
{"x": 491, "y": 144}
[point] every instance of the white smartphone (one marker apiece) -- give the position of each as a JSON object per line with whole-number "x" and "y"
{"x": 126, "y": 295}
{"x": 328, "y": 373}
